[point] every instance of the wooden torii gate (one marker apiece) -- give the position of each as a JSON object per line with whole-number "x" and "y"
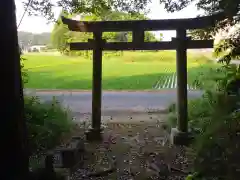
{"x": 181, "y": 43}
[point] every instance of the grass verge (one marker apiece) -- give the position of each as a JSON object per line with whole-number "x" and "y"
{"x": 132, "y": 71}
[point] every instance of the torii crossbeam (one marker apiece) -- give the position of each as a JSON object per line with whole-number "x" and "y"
{"x": 181, "y": 43}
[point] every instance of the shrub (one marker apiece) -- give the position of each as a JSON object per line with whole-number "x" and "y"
{"x": 206, "y": 77}
{"x": 199, "y": 111}
{"x": 217, "y": 148}
{"x": 227, "y": 45}
{"x": 172, "y": 108}
{"x": 215, "y": 120}
{"x": 202, "y": 109}
{"x": 23, "y": 71}
{"x": 47, "y": 123}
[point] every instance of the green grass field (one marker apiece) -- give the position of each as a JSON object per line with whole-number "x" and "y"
{"x": 132, "y": 71}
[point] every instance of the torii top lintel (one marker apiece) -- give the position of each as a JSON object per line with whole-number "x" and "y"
{"x": 144, "y": 25}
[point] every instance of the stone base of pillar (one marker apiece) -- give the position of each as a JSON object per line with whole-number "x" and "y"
{"x": 94, "y": 134}
{"x": 180, "y": 138}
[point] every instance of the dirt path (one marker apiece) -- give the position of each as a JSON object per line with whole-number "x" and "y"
{"x": 124, "y": 117}
{"x": 136, "y": 147}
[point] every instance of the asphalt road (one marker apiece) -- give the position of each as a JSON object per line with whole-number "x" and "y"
{"x": 80, "y": 102}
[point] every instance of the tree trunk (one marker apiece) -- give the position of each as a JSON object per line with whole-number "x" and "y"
{"x": 14, "y": 155}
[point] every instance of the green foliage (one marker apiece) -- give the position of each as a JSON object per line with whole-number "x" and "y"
{"x": 47, "y": 123}
{"x": 199, "y": 111}
{"x": 214, "y": 80}
{"x": 132, "y": 70}
{"x": 224, "y": 79}
{"x": 98, "y": 7}
{"x": 150, "y": 37}
{"x": 208, "y": 77}
{"x": 194, "y": 176}
{"x": 231, "y": 79}
{"x": 201, "y": 34}
{"x": 23, "y": 70}
{"x": 172, "y": 108}
{"x": 218, "y": 78}
{"x": 231, "y": 8}
{"x": 217, "y": 148}
{"x": 61, "y": 36}
{"x": 228, "y": 47}
{"x": 215, "y": 120}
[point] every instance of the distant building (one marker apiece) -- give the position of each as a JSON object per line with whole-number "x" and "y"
{"x": 36, "y": 48}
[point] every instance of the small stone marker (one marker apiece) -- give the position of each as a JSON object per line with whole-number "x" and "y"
{"x": 69, "y": 156}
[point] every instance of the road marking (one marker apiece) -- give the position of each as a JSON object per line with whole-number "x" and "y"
{"x": 175, "y": 81}
{"x": 157, "y": 84}
{"x": 173, "y": 77}
{"x": 164, "y": 84}
{"x": 170, "y": 82}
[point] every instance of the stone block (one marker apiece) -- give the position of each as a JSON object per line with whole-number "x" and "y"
{"x": 94, "y": 135}
{"x": 70, "y": 155}
{"x": 180, "y": 138}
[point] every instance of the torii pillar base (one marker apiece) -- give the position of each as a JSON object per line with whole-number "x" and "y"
{"x": 94, "y": 135}
{"x": 180, "y": 138}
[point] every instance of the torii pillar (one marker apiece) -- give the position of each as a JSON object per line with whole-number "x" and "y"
{"x": 180, "y": 135}
{"x": 95, "y": 133}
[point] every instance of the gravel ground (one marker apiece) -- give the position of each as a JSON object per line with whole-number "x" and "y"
{"x": 139, "y": 150}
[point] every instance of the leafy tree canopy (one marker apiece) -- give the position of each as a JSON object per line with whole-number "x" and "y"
{"x": 231, "y": 8}
{"x": 98, "y": 7}
{"x": 45, "y": 7}
{"x": 101, "y": 7}
{"x": 61, "y": 36}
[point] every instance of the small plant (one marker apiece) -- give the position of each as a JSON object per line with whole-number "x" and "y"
{"x": 199, "y": 111}
{"x": 217, "y": 149}
{"x": 23, "y": 71}
{"x": 194, "y": 176}
{"x": 215, "y": 120}
{"x": 47, "y": 123}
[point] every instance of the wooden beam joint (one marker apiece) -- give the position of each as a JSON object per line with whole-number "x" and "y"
{"x": 138, "y": 36}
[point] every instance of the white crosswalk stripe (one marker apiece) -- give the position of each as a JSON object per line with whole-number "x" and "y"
{"x": 170, "y": 82}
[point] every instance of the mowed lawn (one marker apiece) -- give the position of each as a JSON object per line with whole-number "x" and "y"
{"x": 132, "y": 71}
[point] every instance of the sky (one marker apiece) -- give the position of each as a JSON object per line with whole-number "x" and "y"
{"x": 39, "y": 24}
